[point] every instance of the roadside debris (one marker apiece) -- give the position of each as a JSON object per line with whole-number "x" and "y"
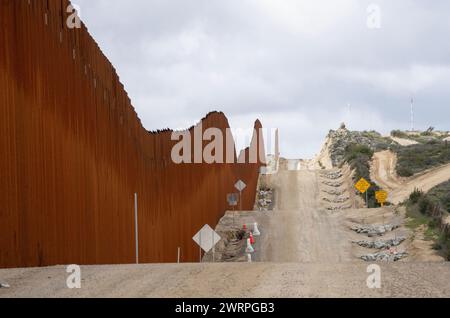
{"x": 4, "y": 285}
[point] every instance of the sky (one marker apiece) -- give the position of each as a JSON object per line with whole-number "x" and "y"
{"x": 303, "y": 67}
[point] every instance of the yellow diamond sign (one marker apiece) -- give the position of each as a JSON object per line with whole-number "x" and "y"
{"x": 362, "y": 185}
{"x": 381, "y": 196}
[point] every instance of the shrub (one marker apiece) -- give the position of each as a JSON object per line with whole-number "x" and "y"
{"x": 425, "y": 206}
{"x": 399, "y": 134}
{"x": 417, "y": 158}
{"x": 437, "y": 247}
{"x": 415, "y": 196}
{"x": 405, "y": 172}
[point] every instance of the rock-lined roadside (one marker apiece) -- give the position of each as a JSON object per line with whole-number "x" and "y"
{"x": 380, "y": 244}
{"x": 374, "y": 230}
{"x": 384, "y": 256}
{"x": 334, "y": 190}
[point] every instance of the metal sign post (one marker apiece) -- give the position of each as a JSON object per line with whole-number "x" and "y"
{"x": 363, "y": 186}
{"x": 232, "y": 199}
{"x": 240, "y": 186}
{"x": 206, "y": 239}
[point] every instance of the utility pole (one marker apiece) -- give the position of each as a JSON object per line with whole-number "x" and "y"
{"x": 412, "y": 114}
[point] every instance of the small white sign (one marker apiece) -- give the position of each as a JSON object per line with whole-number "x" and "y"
{"x": 206, "y": 238}
{"x": 240, "y": 185}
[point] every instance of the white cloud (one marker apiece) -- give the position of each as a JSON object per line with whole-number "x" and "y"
{"x": 294, "y": 64}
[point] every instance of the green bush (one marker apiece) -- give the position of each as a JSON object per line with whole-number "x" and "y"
{"x": 355, "y": 151}
{"x": 425, "y": 206}
{"x": 405, "y": 172}
{"x": 429, "y": 209}
{"x": 399, "y": 134}
{"x": 437, "y": 247}
{"x": 359, "y": 157}
{"x": 418, "y": 158}
{"x": 416, "y": 196}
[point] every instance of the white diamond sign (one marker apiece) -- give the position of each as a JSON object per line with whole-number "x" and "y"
{"x": 240, "y": 185}
{"x": 206, "y": 238}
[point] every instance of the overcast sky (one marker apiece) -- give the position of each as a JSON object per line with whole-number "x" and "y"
{"x": 300, "y": 66}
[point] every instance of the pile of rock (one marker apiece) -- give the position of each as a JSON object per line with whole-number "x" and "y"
{"x": 265, "y": 199}
{"x": 334, "y": 191}
{"x": 332, "y": 175}
{"x": 339, "y": 199}
{"x": 334, "y": 184}
{"x": 338, "y": 208}
{"x": 380, "y": 244}
{"x": 386, "y": 256}
{"x": 374, "y": 230}
{"x": 230, "y": 248}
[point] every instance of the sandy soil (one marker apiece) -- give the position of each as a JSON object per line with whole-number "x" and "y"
{"x": 383, "y": 173}
{"x": 403, "y": 141}
{"x": 421, "y": 249}
{"x": 323, "y": 159}
{"x": 236, "y": 280}
{"x": 298, "y": 230}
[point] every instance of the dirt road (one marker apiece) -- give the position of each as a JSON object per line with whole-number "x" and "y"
{"x": 236, "y": 280}
{"x": 383, "y": 173}
{"x": 299, "y": 230}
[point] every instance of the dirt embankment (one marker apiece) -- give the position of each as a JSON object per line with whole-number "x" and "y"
{"x": 384, "y": 174}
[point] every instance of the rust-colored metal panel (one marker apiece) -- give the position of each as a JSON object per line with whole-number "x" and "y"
{"x": 73, "y": 153}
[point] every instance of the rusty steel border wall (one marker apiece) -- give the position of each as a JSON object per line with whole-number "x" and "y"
{"x": 74, "y": 152}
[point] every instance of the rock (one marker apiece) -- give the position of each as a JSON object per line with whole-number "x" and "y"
{"x": 372, "y": 231}
{"x": 340, "y": 199}
{"x": 334, "y": 184}
{"x": 332, "y": 175}
{"x": 379, "y": 244}
{"x": 338, "y": 208}
{"x": 334, "y": 191}
{"x": 4, "y": 285}
{"x": 384, "y": 256}
{"x": 265, "y": 199}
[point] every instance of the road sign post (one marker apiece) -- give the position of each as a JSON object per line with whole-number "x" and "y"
{"x": 206, "y": 239}
{"x": 240, "y": 186}
{"x": 232, "y": 199}
{"x": 363, "y": 186}
{"x": 381, "y": 197}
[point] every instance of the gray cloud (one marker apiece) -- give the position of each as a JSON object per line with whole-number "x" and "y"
{"x": 293, "y": 64}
